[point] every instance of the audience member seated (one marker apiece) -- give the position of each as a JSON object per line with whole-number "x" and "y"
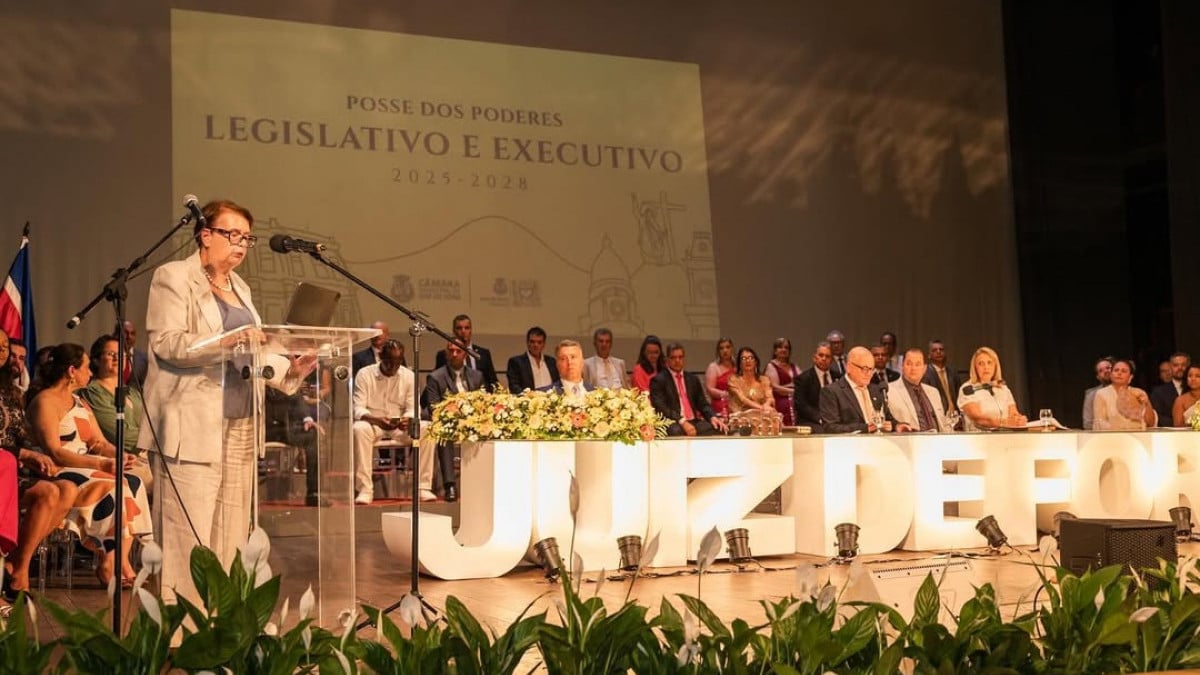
{"x": 782, "y": 373}
{"x": 1120, "y": 406}
{"x": 809, "y": 385}
{"x": 604, "y": 371}
{"x": 915, "y": 404}
{"x": 101, "y": 397}
{"x": 942, "y": 377}
{"x": 452, "y": 378}
{"x": 1103, "y": 369}
{"x": 1185, "y": 405}
{"x": 837, "y": 346}
{"x": 64, "y": 428}
{"x": 45, "y": 498}
{"x": 680, "y": 397}
{"x": 383, "y": 409}
{"x": 853, "y": 403}
{"x": 883, "y": 373}
{"x": 369, "y": 355}
{"x": 138, "y": 362}
{"x": 716, "y": 377}
{"x": 532, "y": 370}
{"x": 1163, "y": 396}
{"x": 650, "y": 362}
{"x": 1164, "y": 373}
{"x": 294, "y": 420}
{"x": 749, "y": 389}
{"x": 891, "y": 344}
{"x": 465, "y": 332}
{"x": 985, "y": 400}
{"x": 18, "y": 365}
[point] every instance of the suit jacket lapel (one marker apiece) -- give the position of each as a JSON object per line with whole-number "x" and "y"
{"x": 848, "y": 396}
{"x": 204, "y": 294}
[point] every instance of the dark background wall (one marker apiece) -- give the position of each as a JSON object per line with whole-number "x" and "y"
{"x": 1102, "y": 232}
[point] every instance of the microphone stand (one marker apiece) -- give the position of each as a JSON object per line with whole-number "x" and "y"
{"x": 115, "y": 291}
{"x": 420, "y": 325}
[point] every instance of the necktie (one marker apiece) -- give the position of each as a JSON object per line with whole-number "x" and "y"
{"x": 865, "y": 401}
{"x": 458, "y": 381}
{"x": 684, "y": 403}
{"x": 950, "y": 404}
{"x": 924, "y": 408}
{"x": 824, "y": 378}
{"x": 609, "y": 380}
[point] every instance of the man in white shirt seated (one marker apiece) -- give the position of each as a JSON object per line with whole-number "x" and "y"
{"x": 915, "y": 405}
{"x": 383, "y": 408}
{"x": 604, "y": 371}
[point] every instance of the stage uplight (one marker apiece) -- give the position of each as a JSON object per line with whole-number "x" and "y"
{"x": 548, "y": 558}
{"x": 1060, "y": 516}
{"x": 1182, "y": 517}
{"x": 631, "y": 551}
{"x": 738, "y": 540}
{"x": 990, "y": 529}
{"x": 847, "y": 539}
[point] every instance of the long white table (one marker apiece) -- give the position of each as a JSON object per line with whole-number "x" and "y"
{"x": 894, "y": 486}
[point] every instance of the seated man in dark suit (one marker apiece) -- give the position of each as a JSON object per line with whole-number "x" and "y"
{"x": 883, "y": 373}
{"x": 463, "y": 331}
{"x": 453, "y": 377}
{"x": 569, "y": 359}
{"x": 1162, "y": 397}
{"x": 849, "y": 404}
{"x": 680, "y": 397}
{"x": 369, "y": 355}
{"x": 807, "y": 397}
{"x": 940, "y": 376}
{"x": 292, "y": 420}
{"x": 531, "y": 370}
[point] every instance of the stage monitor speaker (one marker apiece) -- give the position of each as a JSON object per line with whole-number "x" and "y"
{"x": 896, "y": 583}
{"x": 1092, "y": 543}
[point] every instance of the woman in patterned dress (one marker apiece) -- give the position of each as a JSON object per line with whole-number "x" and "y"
{"x": 45, "y": 499}
{"x": 66, "y": 430}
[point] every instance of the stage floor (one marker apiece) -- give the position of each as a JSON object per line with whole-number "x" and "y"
{"x": 730, "y": 592}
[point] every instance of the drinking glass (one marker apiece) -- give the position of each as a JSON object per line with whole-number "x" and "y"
{"x": 877, "y": 418}
{"x": 952, "y": 420}
{"x": 1047, "y": 417}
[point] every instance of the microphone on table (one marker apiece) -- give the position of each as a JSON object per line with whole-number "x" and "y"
{"x": 282, "y": 243}
{"x": 192, "y": 204}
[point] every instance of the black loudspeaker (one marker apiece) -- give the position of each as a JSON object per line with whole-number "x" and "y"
{"x": 1094, "y": 543}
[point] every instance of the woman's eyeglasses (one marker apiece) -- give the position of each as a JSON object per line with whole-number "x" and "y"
{"x": 236, "y": 238}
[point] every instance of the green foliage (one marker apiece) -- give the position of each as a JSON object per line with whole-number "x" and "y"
{"x": 1103, "y": 621}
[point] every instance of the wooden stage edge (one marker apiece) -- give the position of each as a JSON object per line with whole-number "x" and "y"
{"x": 382, "y": 580}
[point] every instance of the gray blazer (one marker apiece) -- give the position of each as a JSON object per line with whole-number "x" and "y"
{"x": 183, "y": 390}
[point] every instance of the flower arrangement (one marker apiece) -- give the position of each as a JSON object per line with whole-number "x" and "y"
{"x": 623, "y": 415}
{"x": 1194, "y": 420}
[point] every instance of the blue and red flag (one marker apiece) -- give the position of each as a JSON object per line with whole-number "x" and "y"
{"x": 16, "y": 301}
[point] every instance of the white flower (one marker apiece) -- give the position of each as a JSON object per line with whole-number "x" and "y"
{"x": 283, "y": 614}
{"x": 256, "y": 548}
{"x": 410, "y": 610}
{"x": 807, "y": 583}
{"x": 573, "y": 496}
{"x": 689, "y": 651}
{"x": 151, "y": 605}
{"x": 826, "y": 597}
{"x": 1099, "y": 600}
{"x": 271, "y": 629}
{"x": 1047, "y": 546}
{"x": 152, "y": 556}
{"x": 1143, "y": 614}
{"x": 306, "y": 603}
{"x": 710, "y": 546}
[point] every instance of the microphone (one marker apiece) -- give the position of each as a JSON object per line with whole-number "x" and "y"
{"x": 282, "y": 243}
{"x": 985, "y": 386}
{"x": 192, "y": 204}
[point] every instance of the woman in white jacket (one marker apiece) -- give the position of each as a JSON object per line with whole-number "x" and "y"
{"x": 198, "y": 408}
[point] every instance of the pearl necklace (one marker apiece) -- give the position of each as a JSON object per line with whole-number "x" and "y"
{"x": 228, "y": 287}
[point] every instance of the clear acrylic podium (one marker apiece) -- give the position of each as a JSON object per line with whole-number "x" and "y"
{"x": 311, "y": 545}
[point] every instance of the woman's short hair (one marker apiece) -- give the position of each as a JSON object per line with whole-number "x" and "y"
{"x": 97, "y": 351}
{"x": 213, "y": 209}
